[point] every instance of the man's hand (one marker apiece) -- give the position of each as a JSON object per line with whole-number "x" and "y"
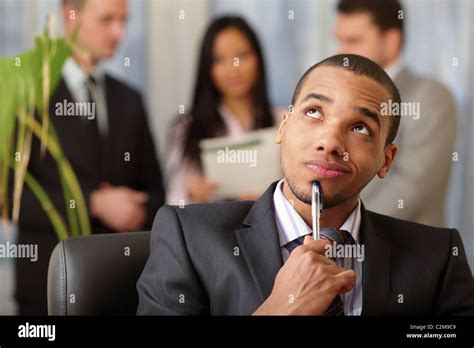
{"x": 307, "y": 283}
{"x": 119, "y": 208}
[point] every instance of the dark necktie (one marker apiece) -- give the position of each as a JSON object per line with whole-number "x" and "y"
{"x": 91, "y": 98}
{"x": 340, "y": 237}
{"x": 97, "y": 141}
{"x": 91, "y": 129}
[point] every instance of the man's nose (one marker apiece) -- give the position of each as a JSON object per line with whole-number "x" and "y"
{"x": 330, "y": 141}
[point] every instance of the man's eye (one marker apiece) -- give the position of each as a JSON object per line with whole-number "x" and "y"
{"x": 313, "y": 112}
{"x": 360, "y": 128}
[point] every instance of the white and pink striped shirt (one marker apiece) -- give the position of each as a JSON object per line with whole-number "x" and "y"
{"x": 291, "y": 226}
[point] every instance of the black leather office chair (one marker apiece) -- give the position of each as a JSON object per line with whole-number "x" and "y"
{"x": 97, "y": 274}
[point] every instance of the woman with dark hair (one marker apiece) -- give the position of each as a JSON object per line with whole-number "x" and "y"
{"x": 230, "y": 98}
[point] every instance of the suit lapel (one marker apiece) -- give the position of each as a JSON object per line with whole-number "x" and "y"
{"x": 375, "y": 268}
{"x": 260, "y": 243}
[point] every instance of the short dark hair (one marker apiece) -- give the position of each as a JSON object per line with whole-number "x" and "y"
{"x": 364, "y": 67}
{"x": 385, "y": 13}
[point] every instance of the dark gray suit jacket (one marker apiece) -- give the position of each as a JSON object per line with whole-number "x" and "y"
{"x": 222, "y": 259}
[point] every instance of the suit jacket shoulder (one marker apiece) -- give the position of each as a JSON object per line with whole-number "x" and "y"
{"x": 191, "y": 263}
{"x": 121, "y": 88}
{"x": 411, "y": 83}
{"x": 409, "y": 231}
{"x": 428, "y": 267}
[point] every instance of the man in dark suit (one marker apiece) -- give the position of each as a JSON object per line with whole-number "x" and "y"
{"x": 109, "y": 147}
{"x": 257, "y": 258}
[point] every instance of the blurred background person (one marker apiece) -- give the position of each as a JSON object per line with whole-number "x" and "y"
{"x": 230, "y": 98}
{"x": 112, "y": 153}
{"x": 417, "y": 185}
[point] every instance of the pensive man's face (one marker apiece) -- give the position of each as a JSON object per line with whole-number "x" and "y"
{"x": 336, "y": 135}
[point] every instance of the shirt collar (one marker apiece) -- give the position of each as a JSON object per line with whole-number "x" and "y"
{"x": 75, "y": 77}
{"x": 231, "y": 120}
{"x": 292, "y": 226}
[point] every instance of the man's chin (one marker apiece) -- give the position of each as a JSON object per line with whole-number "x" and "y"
{"x": 330, "y": 198}
{"x": 303, "y": 194}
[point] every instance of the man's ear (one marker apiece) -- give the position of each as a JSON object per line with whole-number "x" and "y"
{"x": 389, "y": 155}
{"x": 281, "y": 128}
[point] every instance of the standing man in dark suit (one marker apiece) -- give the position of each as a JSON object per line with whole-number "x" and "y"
{"x": 257, "y": 257}
{"x": 109, "y": 147}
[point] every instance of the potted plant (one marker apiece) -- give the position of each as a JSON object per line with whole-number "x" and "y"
{"x": 27, "y": 82}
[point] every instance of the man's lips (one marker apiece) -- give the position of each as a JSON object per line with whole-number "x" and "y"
{"x": 325, "y": 169}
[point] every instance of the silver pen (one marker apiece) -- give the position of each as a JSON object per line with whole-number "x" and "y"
{"x": 316, "y": 207}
